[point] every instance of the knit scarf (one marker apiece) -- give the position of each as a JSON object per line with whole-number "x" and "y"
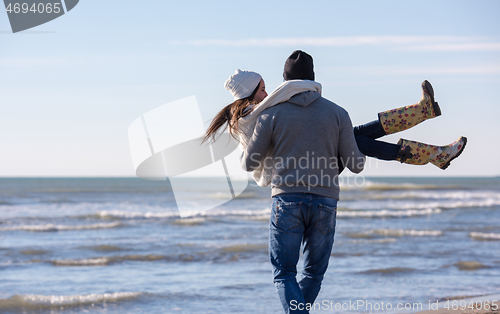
{"x": 246, "y": 124}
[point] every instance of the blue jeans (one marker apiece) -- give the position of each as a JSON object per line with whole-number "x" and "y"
{"x": 365, "y": 138}
{"x": 300, "y": 218}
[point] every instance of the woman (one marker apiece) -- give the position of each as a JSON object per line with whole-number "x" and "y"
{"x": 248, "y": 89}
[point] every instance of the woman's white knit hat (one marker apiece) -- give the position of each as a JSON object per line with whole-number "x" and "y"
{"x": 242, "y": 83}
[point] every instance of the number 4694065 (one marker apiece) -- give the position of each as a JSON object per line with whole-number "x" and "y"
{"x": 40, "y": 8}
{"x": 478, "y": 305}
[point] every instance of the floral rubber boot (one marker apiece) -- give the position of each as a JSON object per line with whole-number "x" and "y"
{"x": 415, "y": 153}
{"x": 400, "y": 119}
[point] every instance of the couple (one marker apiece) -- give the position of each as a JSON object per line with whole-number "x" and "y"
{"x": 278, "y": 132}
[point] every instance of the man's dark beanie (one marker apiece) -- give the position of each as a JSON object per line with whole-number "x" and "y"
{"x": 299, "y": 66}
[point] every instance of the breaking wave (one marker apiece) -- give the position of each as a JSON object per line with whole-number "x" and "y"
{"x": 260, "y": 214}
{"x": 189, "y": 221}
{"x": 387, "y": 271}
{"x": 388, "y": 203}
{"x": 117, "y": 214}
{"x": 388, "y": 213}
{"x": 214, "y": 254}
{"x": 485, "y": 236}
{"x": 402, "y": 232}
{"x": 53, "y": 228}
{"x": 103, "y": 261}
{"x": 386, "y": 240}
{"x": 35, "y": 301}
{"x": 243, "y": 195}
{"x": 378, "y": 186}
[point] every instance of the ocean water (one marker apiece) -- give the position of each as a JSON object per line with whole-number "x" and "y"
{"x": 85, "y": 245}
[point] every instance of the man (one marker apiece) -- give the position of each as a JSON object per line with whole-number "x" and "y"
{"x": 306, "y": 134}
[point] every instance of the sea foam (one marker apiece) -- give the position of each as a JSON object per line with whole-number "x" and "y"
{"x": 388, "y": 213}
{"x": 35, "y": 301}
{"x": 411, "y": 232}
{"x": 52, "y": 228}
{"x": 485, "y": 236}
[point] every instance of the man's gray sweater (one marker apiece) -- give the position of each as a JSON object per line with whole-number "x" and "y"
{"x": 307, "y": 134}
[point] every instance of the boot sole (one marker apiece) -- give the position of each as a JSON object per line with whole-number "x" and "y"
{"x": 458, "y": 154}
{"x": 428, "y": 87}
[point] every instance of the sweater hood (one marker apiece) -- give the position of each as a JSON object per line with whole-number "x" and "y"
{"x": 304, "y": 99}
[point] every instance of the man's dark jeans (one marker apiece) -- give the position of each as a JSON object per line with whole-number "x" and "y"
{"x": 298, "y": 218}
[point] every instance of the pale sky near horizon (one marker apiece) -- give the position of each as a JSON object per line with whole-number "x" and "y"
{"x": 70, "y": 88}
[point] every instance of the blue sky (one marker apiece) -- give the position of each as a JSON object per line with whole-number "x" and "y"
{"x": 70, "y": 88}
